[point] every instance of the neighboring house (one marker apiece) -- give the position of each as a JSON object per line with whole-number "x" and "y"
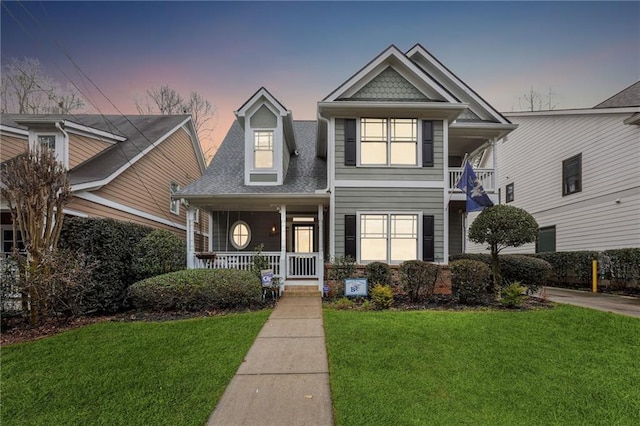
{"x": 373, "y": 178}
{"x": 121, "y": 167}
{"x": 578, "y": 173}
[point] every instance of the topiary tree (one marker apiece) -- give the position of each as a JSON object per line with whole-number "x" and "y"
{"x": 160, "y": 252}
{"x": 502, "y": 226}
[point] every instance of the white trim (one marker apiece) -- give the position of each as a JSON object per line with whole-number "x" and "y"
{"x": 389, "y": 213}
{"x": 331, "y": 184}
{"x": 210, "y": 232}
{"x": 390, "y": 183}
{"x": 174, "y": 202}
{"x": 445, "y": 193}
{"x": 74, "y": 213}
{"x": 388, "y": 143}
{"x": 93, "y": 132}
{"x": 230, "y": 235}
{"x": 365, "y": 75}
{"x": 99, "y": 183}
{"x": 454, "y": 79}
{"x": 61, "y": 148}
{"x": 14, "y": 130}
{"x": 586, "y": 111}
{"x": 123, "y": 208}
{"x": 242, "y": 112}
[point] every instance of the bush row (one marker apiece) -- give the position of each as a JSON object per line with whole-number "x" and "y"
{"x": 197, "y": 289}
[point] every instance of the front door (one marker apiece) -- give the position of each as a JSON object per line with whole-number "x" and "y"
{"x": 303, "y": 238}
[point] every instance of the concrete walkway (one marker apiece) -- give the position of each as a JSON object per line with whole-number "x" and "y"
{"x": 284, "y": 379}
{"x": 624, "y": 305}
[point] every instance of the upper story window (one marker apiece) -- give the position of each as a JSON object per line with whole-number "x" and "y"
{"x": 509, "y": 196}
{"x": 572, "y": 175}
{"x": 174, "y": 205}
{"x": 47, "y": 142}
{"x": 389, "y": 141}
{"x": 263, "y": 149}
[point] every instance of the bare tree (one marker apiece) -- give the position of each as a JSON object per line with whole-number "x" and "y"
{"x": 36, "y": 189}
{"x": 26, "y": 89}
{"x": 533, "y": 100}
{"x": 167, "y": 101}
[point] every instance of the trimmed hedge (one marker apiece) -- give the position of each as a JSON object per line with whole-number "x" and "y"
{"x": 108, "y": 245}
{"x": 160, "y": 252}
{"x": 569, "y": 268}
{"x": 470, "y": 281}
{"x": 529, "y": 271}
{"x": 418, "y": 278}
{"x": 378, "y": 273}
{"x": 197, "y": 289}
{"x": 622, "y": 266}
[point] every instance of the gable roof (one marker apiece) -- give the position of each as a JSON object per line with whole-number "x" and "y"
{"x": 628, "y": 97}
{"x": 225, "y": 175}
{"x": 133, "y": 137}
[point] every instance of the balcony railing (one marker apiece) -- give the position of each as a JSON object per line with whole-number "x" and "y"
{"x": 299, "y": 265}
{"x": 302, "y": 265}
{"x": 486, "y": 176}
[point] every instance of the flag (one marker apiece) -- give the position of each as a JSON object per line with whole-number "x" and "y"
{"x": 477, "y": 198}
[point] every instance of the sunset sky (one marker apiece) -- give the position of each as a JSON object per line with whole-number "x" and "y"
{"x": 300, "y": 51}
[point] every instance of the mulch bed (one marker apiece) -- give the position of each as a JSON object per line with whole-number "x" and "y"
{"x": 17, "y": 329}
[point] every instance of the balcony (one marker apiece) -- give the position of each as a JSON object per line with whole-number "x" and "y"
{"x": 486, "y": 176}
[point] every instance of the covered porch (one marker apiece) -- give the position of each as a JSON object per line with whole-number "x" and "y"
{"x": 290, "y": 235}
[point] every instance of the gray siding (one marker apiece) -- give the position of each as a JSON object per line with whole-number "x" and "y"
{"x": 389, "y": 85}
{"x": 263, "y": 118}
{"x": 390, "y": 173}
{"x": 263, "y": 177}
{"x": 351, "y": 200}
{"x": 455, "y": 232}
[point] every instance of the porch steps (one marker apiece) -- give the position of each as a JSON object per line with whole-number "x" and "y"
{"x": 302, "y": 288}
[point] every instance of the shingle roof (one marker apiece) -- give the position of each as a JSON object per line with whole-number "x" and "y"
{"x": 140, "y": 130}
{"x": 629, "y": 97}
{"x": 225, "y": 175}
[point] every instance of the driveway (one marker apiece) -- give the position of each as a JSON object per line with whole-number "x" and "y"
{"x": 624, "y": 305}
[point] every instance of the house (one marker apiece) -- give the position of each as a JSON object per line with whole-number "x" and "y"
{"x": 372, "y": 178}
{"x": 577, "y": 172}
{"x": 121, "y": 167}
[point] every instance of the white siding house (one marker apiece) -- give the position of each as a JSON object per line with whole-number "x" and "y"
{"x": 577, "y": 172}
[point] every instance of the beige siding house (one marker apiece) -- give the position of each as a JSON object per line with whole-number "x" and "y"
{"x": 121, "y": 167}
{"x": 374, "y": 178}
{"x": 577, "y": 172}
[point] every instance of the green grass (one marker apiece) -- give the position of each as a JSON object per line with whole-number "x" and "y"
{"x": 563, "y": 366}
{"x": 141, "y": 373}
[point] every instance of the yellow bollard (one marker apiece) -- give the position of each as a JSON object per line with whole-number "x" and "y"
{"x": 594, "y": 275}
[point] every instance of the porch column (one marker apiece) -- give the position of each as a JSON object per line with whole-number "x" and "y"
{"x": 320, "y": 264}
{"x": 191, "y": 246}
{"x": 283, "y": 243}
{"x": 494, "y": 151}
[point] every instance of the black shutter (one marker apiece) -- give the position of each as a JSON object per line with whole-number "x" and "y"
{"x": 350, "y": 142}
{"x": 427, "y": 144}
{"x": 350, "y": 235}
{"x": 428, "y": 249}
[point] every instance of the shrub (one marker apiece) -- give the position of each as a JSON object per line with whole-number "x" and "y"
{"x": 470, "y": 281}
{"x": 567, "y": 266}
{"x": 108, "y": 244}
{"x": 382, "y": 296}
{"x": 378, "y": 273}
{"x": 342, "y": 267}
{"x": 513, "y": 295}
{"x": 197, "y": 289}
{"x": 159, "y": 252}
{"x": 260, "y": 261}
{"x": 344, "y": 303}
{"x": 622, "y": 266}
{"x": 418, "y": 278}
{"x": 529, "y": 271}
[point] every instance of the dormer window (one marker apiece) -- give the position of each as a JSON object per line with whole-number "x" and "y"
{"x": 54, "y": 142}
{"x": 263, "y": 149}
{"x": 47, "y": 142}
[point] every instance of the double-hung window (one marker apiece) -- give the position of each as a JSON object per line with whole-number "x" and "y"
{"x": 47, "y": 142}
{"x": 572, "y": 175}
{"x": 263, "y": 149}
{"x": 390, "y": 238}
{"x": 389, "y": 141}
{"x": 174, "y": 205}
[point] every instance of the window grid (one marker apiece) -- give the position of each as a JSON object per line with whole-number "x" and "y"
{"x": 174, "y": 205}
{"x": 47, "y": 142}
{"x": 390, "y": 238}
{"x": 509, "y": 195}
{"x": 263, "y": 149}
{"x": 389, "y": 141}
{"x": 572, "y": 175}
{"x": 240, "y": 235}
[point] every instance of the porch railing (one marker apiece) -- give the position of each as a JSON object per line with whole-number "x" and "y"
{"x": 302, "y": 265}
{"x": 486, "y": 176}
{"x": 236, "y": 260}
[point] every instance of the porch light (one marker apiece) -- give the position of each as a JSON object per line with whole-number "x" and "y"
{"x": 274, "y": 230}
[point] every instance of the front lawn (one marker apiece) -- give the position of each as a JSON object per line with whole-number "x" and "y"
{"x": 139, "y": 373}
{"x": 567, "y": 365}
